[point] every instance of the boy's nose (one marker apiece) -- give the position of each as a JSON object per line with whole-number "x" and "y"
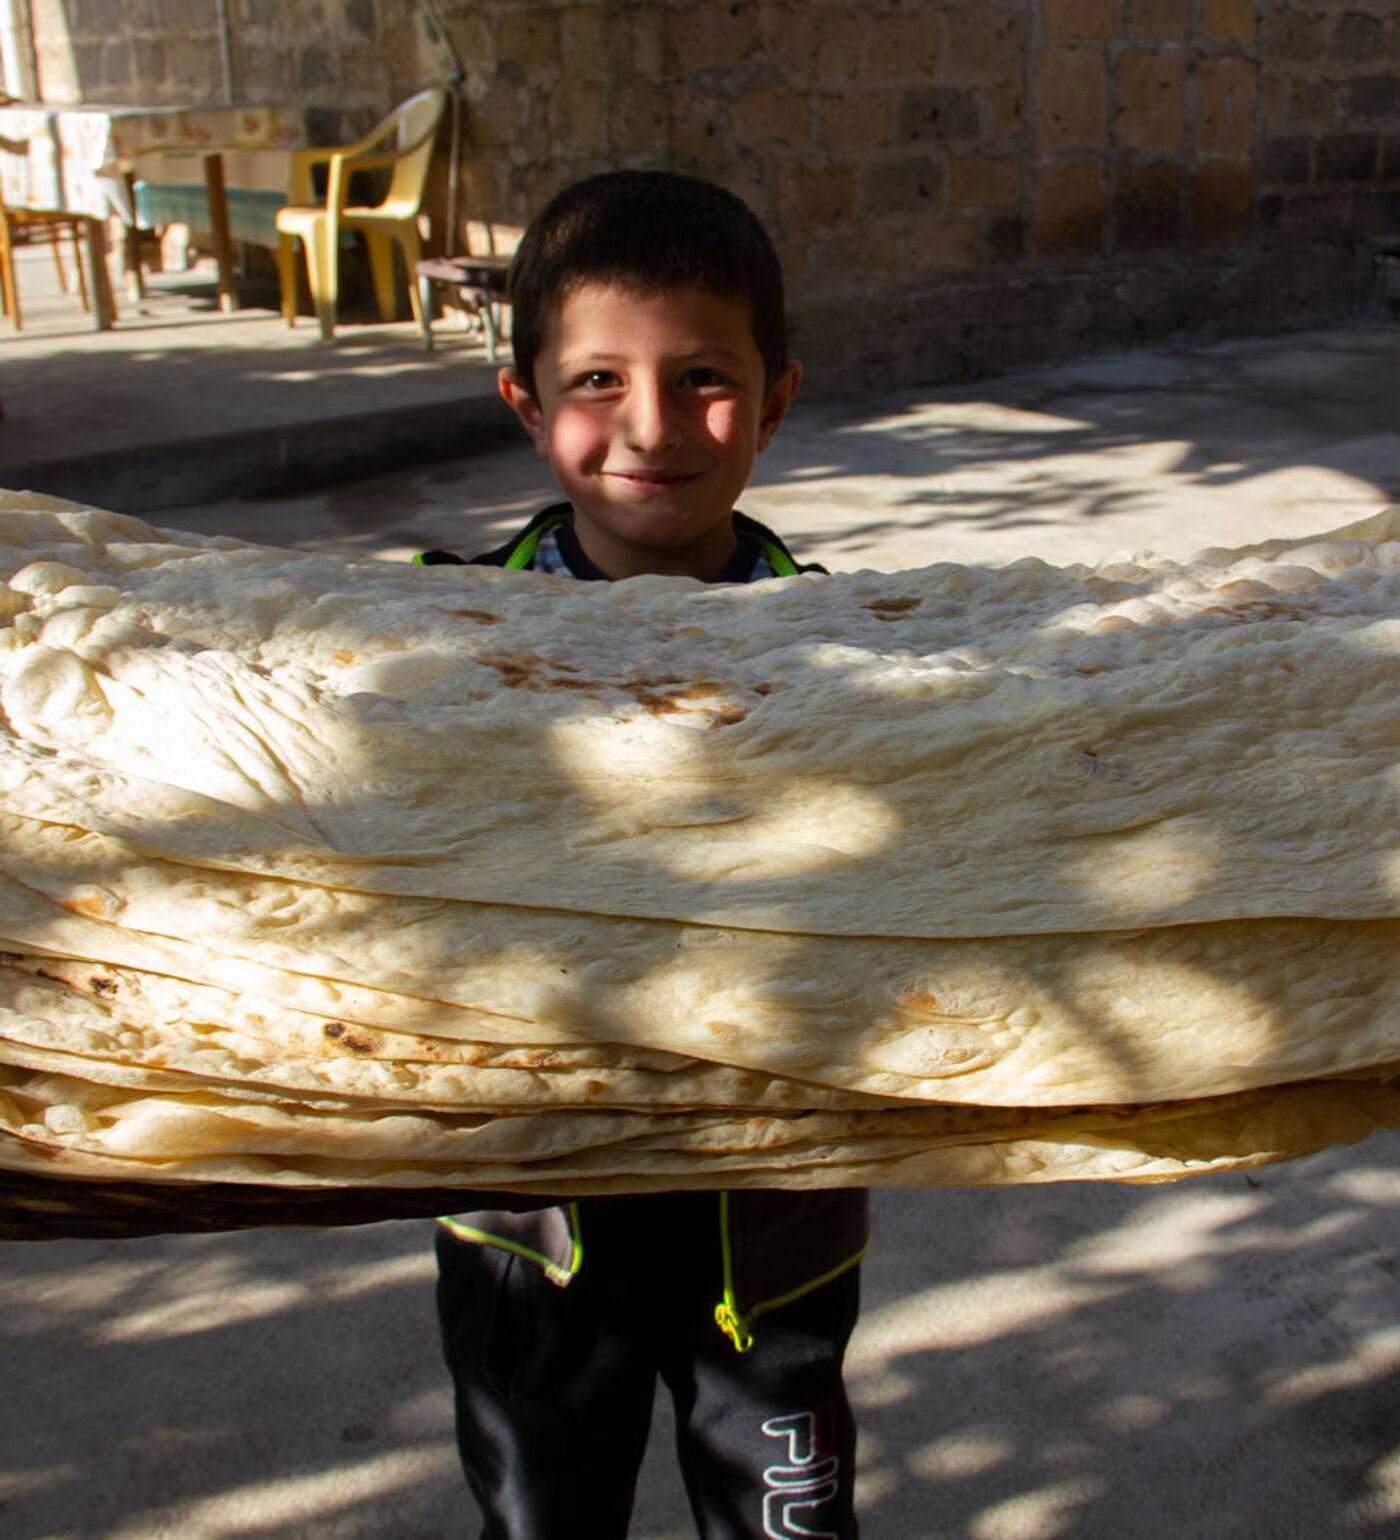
{"x": 651, "y": 417}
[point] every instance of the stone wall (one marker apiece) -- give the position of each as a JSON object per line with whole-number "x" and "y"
{"x": 329, "y": 56}
{"x": 955, "y": 185}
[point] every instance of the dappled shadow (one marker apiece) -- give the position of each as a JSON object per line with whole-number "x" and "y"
{"x": 1214, "y": 1358}
{"x": 267, "y": 1384}
{"x": 1097, "y": 441}
{"x": 1069, "y": 1361}
{"x": 1068, "y": 464}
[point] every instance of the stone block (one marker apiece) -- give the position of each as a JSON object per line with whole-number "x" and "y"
{"x": 1358, "y": 36}
{"x": 1375, "y": 213}
{"x": 98, "y": 18}
{"x": 1162, "y": 21}
{"x": 576, "y": 115}
{"x": 1286, "y": 161}
{"x": 1301, "y": 105}
{"x": 1373, "y": 99}
{"x": 937, "y": 115}
{"x": 148, "y": 63}
{"x": 984, "y": 181}
{"x": 1152, "y": 100}
{"x": 116, "y": 64}
{"x": 529, "y": 39}
{"x": 646, "y": 32}
{"x": 1348, "y": 158}
{"x": 855, "y": 122}
{"x": 699, "y": 127}
{"x": 637, "y": 119}
{"x": 314, "y": 68}
{"x": 589, "y": 43}
{"x": 1228, "y": 85}
{"x": 814, "y": 200}
{"x": 899, "y": 47}
{"x": 1071, "y": 94}
{"x": 780, "y": 119}
{"x": 936, "y": 244}
{"x": 1071, "y": 21}
{"x": 1008, "y": 113}
{"x": 175, "y": 20}
{"x": 1147, "y": 205}
{"x": 808, "y": 49}
{"x": 1316, "y": 216}
{"x": 1229, "y": 21}
{"x": 1221, "y": 201}
{"x": 985, "y": 44}
{"x": 1070, "y": 210}
{"x": 1006, "y": 238}
{"x": 904, "y": 185}
{"x": 1292, "y": 34}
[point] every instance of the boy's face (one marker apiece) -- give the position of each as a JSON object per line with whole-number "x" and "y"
{"x": 651, "y": 408}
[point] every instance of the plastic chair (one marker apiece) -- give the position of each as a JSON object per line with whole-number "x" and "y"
{"x": 403, "y": 142}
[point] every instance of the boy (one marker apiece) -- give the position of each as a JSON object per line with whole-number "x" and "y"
{"x": 650, "y": 370}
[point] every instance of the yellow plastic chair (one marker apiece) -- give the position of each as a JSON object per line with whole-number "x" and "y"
{"x": 403, "y": 142}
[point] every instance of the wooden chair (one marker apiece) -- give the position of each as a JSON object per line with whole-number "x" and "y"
{"x": 26, "y": 226}
{"x": 403, "y": 145}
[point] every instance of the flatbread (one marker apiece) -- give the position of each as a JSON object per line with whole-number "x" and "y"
{"x": 953, "y": 752}
{"x": 327, "y": 874}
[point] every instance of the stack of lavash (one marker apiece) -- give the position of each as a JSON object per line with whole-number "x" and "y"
{"x": 329, "y": 879}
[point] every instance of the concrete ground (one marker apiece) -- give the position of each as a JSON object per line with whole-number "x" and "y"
{"x": 1215, "y": 1360}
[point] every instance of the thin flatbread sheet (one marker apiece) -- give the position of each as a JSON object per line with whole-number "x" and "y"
{"x": 948, "y": 752}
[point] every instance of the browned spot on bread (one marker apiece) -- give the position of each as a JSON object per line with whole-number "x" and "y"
{"x": 922, "y": 1002}
{"x": 894, "y": 608}
{"x": 482, "y": 617}
{"x": 339, "y": 1033}
{"x": 522, "y": 669}
{"x": 728, "y": 717}
{"x": 764, "y": 689}
{"x": 662, "y": 702}
{"x": 344, "y": 658}
{"x": 528, "y": 671}
{"x": 94, "y": 905}
{"x": 105, "y": 988}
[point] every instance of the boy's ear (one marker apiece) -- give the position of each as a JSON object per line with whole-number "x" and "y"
{"x": 778, "y": 400}
{"x": 523, "y": 404}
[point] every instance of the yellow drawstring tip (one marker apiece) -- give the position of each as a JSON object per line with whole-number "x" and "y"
{"x": 733, "y": 1328}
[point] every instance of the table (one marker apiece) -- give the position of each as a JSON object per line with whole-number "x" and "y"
{"x": 79, "y": 159}
{"x": 481, "y": 285}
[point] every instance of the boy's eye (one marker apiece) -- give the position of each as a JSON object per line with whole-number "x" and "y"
{"x": 598, "y": 379}
{"x": 703, "y": 376}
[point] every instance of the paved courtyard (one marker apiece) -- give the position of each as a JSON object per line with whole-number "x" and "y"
{"x": 1215, "y": 1359}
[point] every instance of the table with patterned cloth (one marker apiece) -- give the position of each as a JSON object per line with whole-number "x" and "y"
{"x": 77, "y": 158}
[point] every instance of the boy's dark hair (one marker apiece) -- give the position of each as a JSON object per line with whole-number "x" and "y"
{"x": 645, "y": 230}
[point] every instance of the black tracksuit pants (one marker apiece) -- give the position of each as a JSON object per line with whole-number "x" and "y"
{"x": 554, "y": 1386}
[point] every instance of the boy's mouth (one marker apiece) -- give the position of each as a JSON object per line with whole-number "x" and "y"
{"x": 643, "y": 479}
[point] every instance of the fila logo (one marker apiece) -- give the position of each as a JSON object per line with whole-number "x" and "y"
{"x": 808, "y": 1479}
